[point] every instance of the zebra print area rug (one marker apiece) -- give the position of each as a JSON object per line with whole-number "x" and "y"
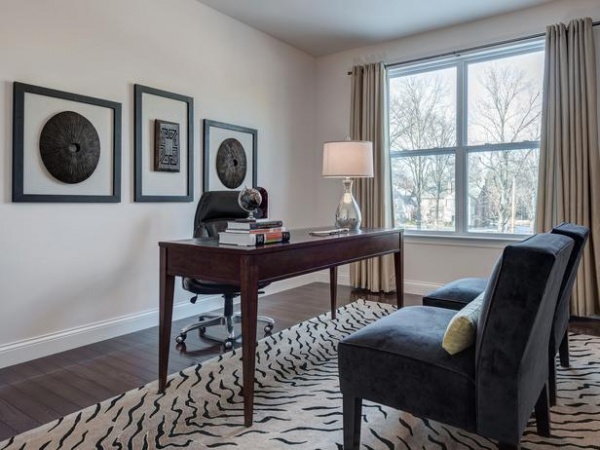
{"x": 298, "y": 404}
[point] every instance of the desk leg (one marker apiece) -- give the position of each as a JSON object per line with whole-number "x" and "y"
{"x": 399, "y": 269}
{"x": 333, "y": 289}
{"x": 249, "y": 307}
{"x": 167, "y": 285}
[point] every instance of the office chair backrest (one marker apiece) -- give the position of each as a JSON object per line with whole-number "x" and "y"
{"x": 216, "y": 208}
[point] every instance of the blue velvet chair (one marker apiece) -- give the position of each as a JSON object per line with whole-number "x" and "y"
{"x": 457, "y": 294}
{"x": 489, "y": 389}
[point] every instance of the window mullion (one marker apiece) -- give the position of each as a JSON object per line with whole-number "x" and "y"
{"x": 461, "y": 160}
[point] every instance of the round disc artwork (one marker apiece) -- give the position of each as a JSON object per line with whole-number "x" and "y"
{"x": 231, "y": 163}
{"x": 70, "y": 147}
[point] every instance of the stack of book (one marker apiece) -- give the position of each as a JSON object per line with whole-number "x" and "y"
{"x": 254, "y": 232}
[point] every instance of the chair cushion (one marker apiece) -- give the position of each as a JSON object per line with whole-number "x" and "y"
{"x": 457, "y": 294}
{"x": 462, "y": 329}
{"x": 399, "y": 361}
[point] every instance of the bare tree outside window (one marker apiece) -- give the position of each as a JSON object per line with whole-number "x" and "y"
{"x": 423, "y": 116}
{"x": 500, "y": 112}
{"x": 505, "y": 100}
{"x": 504, "y": 108}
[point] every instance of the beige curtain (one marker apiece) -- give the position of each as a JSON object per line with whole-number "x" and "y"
{"x": 368, "y": 122}
{"x": 569, "y": 181}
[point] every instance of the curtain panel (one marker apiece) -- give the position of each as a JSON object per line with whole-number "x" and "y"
{"x": 569, "y": 177}
{"x": 368, "y": 121}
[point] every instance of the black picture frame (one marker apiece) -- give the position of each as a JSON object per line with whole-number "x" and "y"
{"x": 22, "y": 161}
{"x": 140, "y": 148}
{"x": 210, "y": 178}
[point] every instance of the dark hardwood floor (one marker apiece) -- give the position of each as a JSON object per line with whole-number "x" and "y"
{"x": 39, "y": 391}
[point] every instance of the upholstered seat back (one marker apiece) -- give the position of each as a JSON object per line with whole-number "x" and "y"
{"x": 580, "y": 235}
{"x": 514, "y": 330}
{"x": 216, "y": 208}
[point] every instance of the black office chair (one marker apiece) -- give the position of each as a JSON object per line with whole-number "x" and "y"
{"x": 215, "y": 209}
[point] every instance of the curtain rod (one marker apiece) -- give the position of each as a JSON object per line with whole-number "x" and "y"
{"x": 471, "y": 49}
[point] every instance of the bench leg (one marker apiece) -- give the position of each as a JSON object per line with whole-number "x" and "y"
{"x": 552, "y": 379}
{"x": 542, "y": 413}
{"x": 563, "y": 350}
{"x": 352, "y": 421}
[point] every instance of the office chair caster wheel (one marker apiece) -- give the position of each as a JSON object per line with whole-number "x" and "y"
{"x": 181, "y": 338}
{"x": 268, "y": 329}
{"x": 228, "y": 345}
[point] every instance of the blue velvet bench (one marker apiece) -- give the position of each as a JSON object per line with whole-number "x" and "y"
{"x": 457, "y": 294}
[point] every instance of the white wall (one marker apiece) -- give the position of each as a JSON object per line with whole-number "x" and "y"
{"x": 428, "y": 262}
{"x": 90, "y": 271}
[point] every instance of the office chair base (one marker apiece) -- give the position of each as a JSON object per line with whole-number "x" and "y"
{"x": 229, "y": 333}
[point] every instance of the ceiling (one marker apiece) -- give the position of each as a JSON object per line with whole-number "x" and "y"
{"x": 322, "y": 27}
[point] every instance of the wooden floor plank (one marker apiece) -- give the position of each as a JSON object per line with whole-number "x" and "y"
{"x": 18, "y": 373}
{"x": 82, "y": 384}
{"x": 130, "y": 364}
{"x": 100, "y": 374}
{"x": 5, "y": 430}
{"x": 38, "y": 389}
{"x": 31, "y": 407}
{"x": 13, "y": 419}
{"x": 66, "y": 390}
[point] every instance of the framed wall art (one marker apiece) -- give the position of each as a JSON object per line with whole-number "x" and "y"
{"x": 66, "y": 147}
{"x": 229, "y": 156}
{"x": 164, "y": 146}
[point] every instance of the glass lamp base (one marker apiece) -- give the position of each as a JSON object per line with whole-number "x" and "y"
{"x": 348, "y": 213}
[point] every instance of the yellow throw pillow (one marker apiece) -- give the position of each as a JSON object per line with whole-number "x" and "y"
{"x": 462, "y": 329}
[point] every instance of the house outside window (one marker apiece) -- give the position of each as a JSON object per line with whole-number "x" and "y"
{"x": 464, "y": 138}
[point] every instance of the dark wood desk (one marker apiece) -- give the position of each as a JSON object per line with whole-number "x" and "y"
{"x": 246, "y": 266}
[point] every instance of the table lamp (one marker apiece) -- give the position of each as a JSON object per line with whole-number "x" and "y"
{"x": 348, "y": 159}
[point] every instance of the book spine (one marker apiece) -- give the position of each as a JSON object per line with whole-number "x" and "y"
{"x": 264, "y": 230}
{"x": 272, "y": 238}
{"x": 263, "y": 225}
{"x": 254, "y": 225}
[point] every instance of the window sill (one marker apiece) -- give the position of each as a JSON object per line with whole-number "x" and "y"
{"x": 490, "y": 241}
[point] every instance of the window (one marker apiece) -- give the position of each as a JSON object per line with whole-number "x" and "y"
{"x": 464, "y": 141}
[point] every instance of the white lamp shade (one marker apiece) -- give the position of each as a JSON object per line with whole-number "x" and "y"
{"x": 348, "y": 159}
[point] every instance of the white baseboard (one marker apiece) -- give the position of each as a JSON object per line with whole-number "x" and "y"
{"x": 419, "y": 287}
{"x": 40, "y": 346}
{"x": 410, "y": 286}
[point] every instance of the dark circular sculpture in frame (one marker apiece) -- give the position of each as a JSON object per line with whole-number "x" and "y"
{"x": 231, "y": 163}
{"x": 70, "y": 147}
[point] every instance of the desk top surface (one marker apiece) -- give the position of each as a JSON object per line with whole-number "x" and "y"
{"x": 300, "y": 237}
